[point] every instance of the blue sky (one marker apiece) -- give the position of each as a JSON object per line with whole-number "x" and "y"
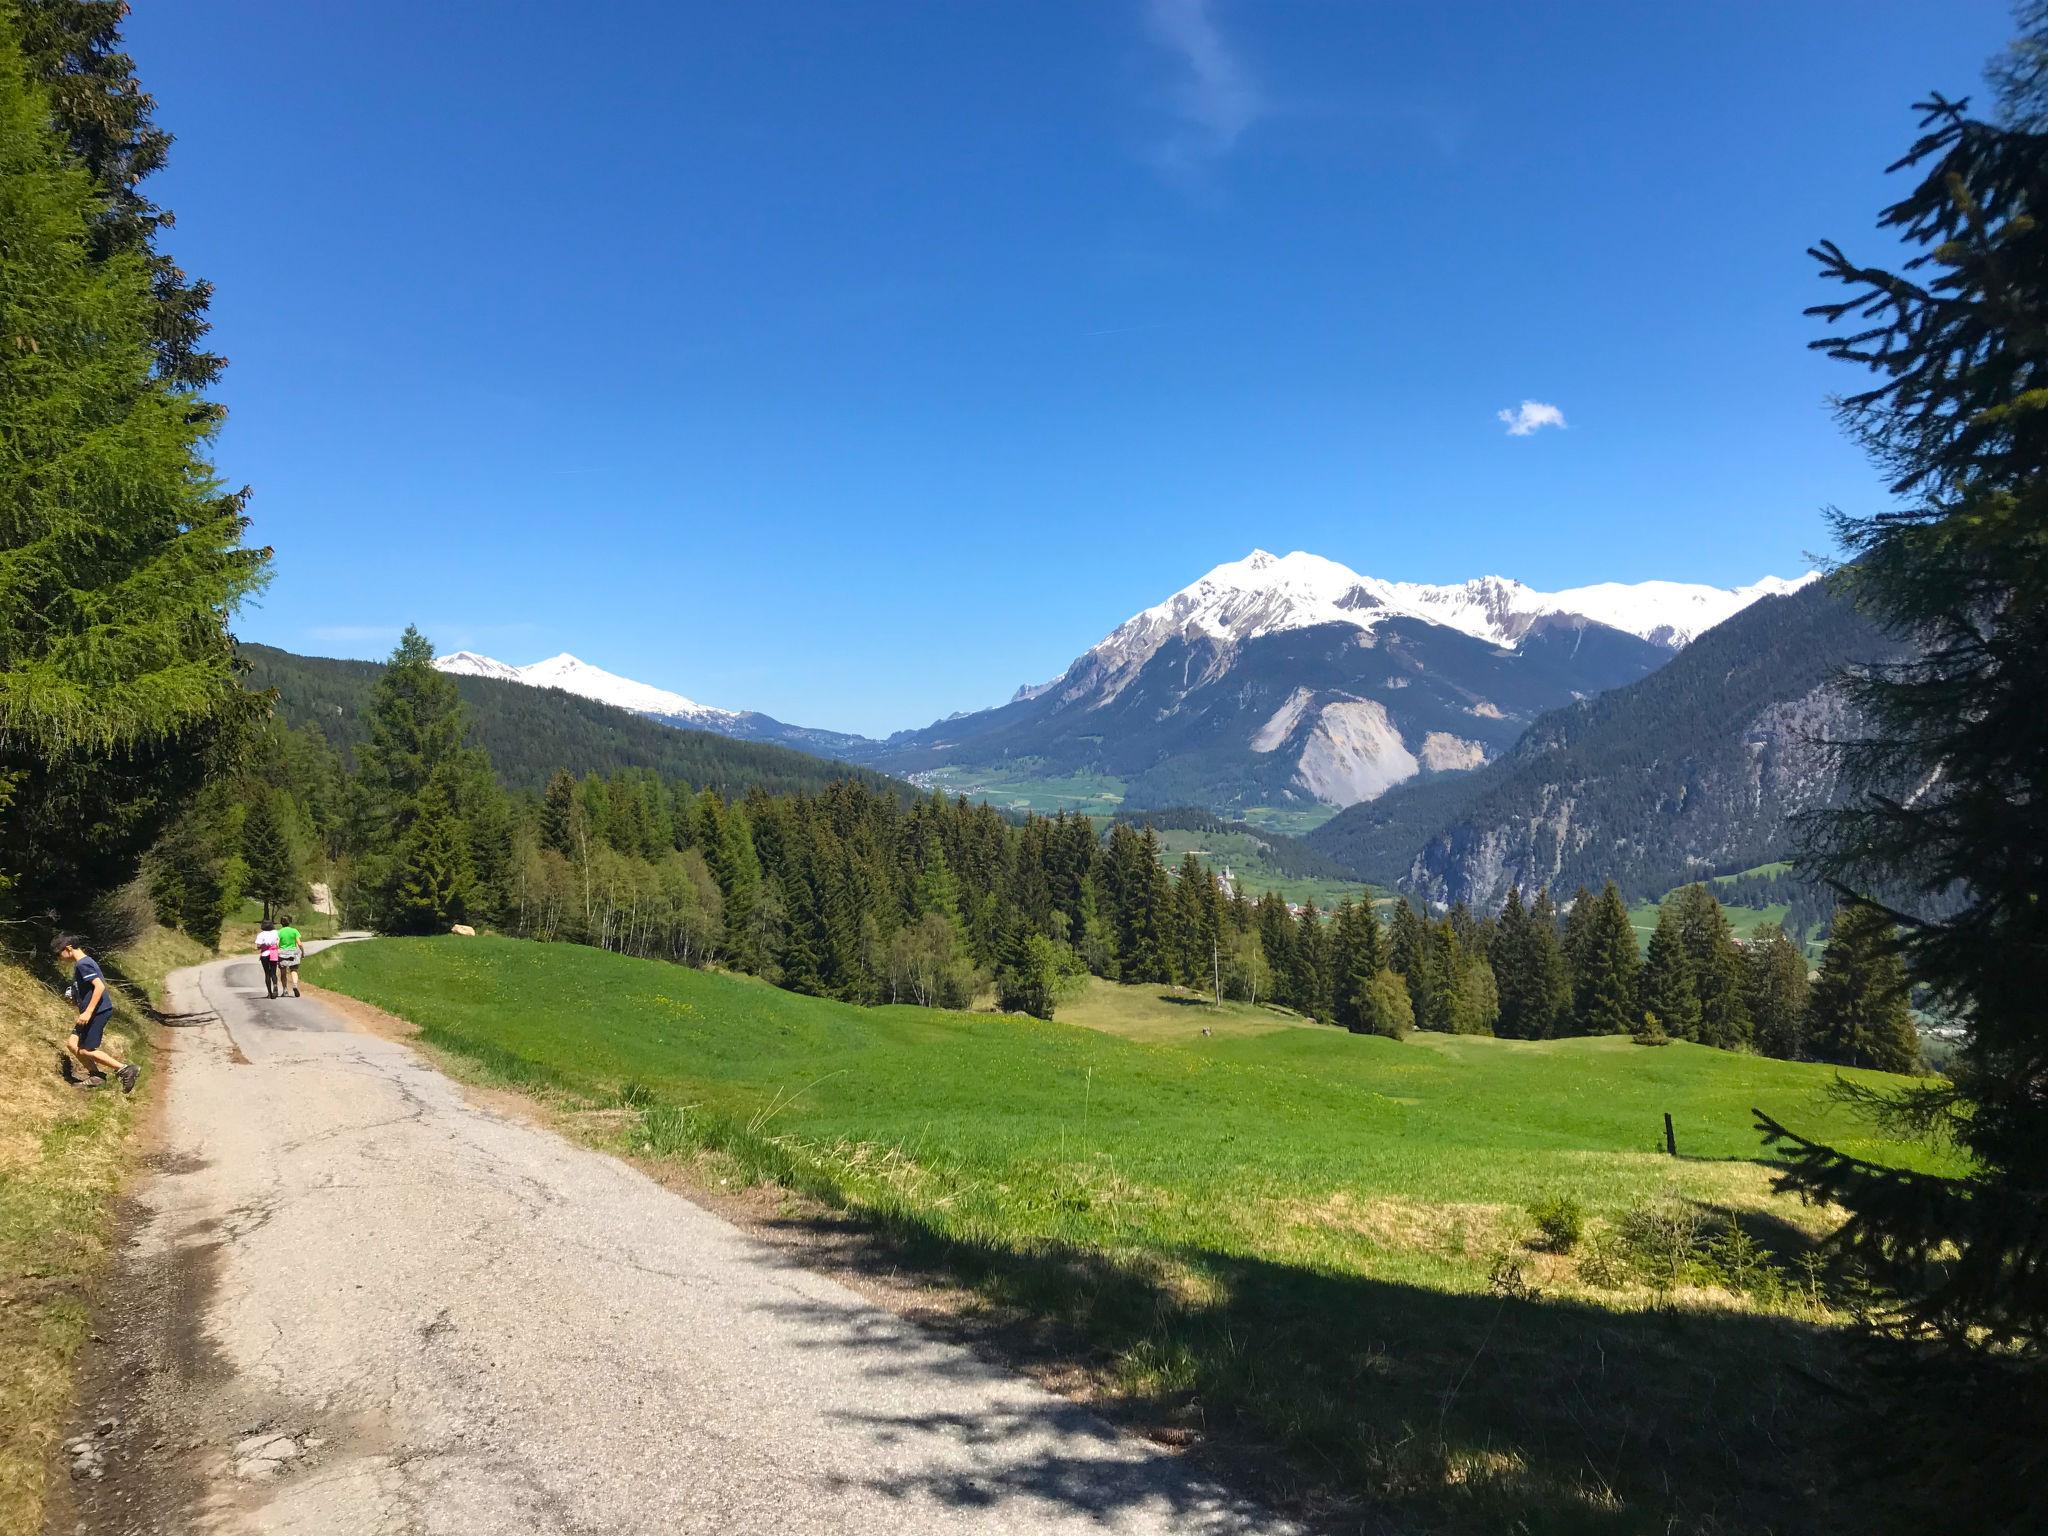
{"x": 858, "y": 362}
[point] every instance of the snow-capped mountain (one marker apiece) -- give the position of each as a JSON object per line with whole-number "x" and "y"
{"x": 574, "y": 675}
{"x": 1265, "y": 594}
{"x": 1270, "y": 681}
{"x": 1292, "y": 680}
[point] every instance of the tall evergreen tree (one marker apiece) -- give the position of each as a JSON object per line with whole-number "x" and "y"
{"x": 119, "y": 563}
{"x": 1948, "y": 816}
{"x": 1857, "y": 1014}
{"x": 1774, "y": 989}
{"x": 1604, "y": 974}
{"x": 1408, "y": 956}
{"x": 430, "y": 872}
{"x": 1715, "y": 960}
{"x": 273, "y": 867}
{"x": 1667, "y": 997}
{"x": 1311, "y": 980}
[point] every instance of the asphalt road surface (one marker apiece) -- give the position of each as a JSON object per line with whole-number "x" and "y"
{"x": 358, "y": 1302}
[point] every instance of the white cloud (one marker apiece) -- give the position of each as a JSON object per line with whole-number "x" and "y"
{"x": 1215, "y": 97}
{"x": 1529, "y": 416}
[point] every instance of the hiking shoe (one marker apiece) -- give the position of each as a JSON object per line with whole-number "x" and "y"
{"x": 95, "y": 1080}
{"x": 128, "y": 1075}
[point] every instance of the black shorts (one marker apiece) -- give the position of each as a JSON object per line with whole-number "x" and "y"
{"x": 89, "y": 1034}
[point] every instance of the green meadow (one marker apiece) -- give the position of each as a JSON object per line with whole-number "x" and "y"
{"x": 1289, "y": 1236}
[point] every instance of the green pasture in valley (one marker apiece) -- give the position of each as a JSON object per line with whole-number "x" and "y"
{"x": 1301, "y": 1237}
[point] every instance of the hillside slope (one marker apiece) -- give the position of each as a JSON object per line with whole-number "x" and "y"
{"x": 530, "y": 732}
{"x": 1699, "y": 768}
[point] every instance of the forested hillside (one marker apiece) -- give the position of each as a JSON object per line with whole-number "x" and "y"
{"x": 530, "y": 733}
{"x": 1697, "y": 769}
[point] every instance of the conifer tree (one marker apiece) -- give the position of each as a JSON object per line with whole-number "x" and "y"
{"x": 1947, "y": 816}
{"x": 1857, "y": 1014}
{"x": 1528, "y": 968}
{"x": 1408, "y": 957}
{"x": 1666, "y": 991}
{"x": 1604, "y": 980}
{"x": 267, "y": 852}
{"x": 430, "y": 874}
{"x": 1276, "y": 944}
{"x": 1715, "y": 960}
{"x": 1312, "y": 982}
{"x": 1774, "y": 989}
{"x": 119, "y": 562}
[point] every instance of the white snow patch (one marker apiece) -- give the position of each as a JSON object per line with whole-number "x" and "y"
{"x": 1284, "y": 720}
{"x": 572, "y": 675}
{"x": 1354, "y": 754}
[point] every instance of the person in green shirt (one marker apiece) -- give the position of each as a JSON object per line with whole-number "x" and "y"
{"x": 288, "y": 953}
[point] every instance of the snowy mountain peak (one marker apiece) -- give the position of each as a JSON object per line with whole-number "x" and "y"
{"x": 573, "y": 675}
{"x": 1265, "y": 593}
{"x": 469, "y": 664}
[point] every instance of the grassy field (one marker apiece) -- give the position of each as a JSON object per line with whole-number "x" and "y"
{"x": 1278, "y": 1231}
{"x": 1096, "y": 793}
{"x": 1244, "y": 856}
{"x": 1744, "y": 920}
{"x": 1294, "y": 820}
{"x": 61, "y": 1159}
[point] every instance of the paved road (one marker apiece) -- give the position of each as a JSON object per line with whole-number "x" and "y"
{"x": 405, "y": 1313}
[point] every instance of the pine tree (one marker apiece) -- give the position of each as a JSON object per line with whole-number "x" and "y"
{"x": 1857, "y": 1014}
{"x": 119, "y": 563}
{"x": 1310, "y": 957}
{"x": 416, "y": 724}
{"x": 430, "y": 874}
{"x": 272, "y": 864}
{"x": 1715, "y": 960}
{"x": 1356, "y": 959}
{"x": 1276, "y": 943}
{"x": 1445, "y": 966}
{"x": 73, "y": 48}
{"x": 1408, "y": 957}
{"x": 1604, "y": 977}
{"x": 1553, "y": 983}
{"x": 1528, "y": 968}
{"x": 1666, "y": 990}
{"x": 1947, "y": 815}
{"x": 1774, "y": 989}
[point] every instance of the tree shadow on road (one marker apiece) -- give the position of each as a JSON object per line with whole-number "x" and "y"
{"x": 1373, "y": 1406}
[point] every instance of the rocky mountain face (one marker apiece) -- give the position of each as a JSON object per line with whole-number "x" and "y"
{"x": 1295, "y": 681}
{"x": 1700, "y": 768}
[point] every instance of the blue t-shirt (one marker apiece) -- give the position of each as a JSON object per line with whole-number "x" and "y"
{"x": 83, "y": 975}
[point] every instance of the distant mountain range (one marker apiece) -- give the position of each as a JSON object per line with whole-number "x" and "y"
{"x": 1272, "y": 681}
{"x": 572, "y": 675}
{"x": 1700, "y": 768}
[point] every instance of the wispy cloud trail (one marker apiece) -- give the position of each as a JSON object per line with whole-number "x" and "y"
{"x": 1214, "y": 97}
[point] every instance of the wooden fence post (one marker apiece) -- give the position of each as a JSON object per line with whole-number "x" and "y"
{"x": 1670, "y": 1137}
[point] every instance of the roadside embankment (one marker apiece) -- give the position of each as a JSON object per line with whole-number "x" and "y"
{"x": 63, "y": 1153}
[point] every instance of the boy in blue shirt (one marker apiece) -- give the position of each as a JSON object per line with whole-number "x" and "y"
{"x": 95, "y": 1006}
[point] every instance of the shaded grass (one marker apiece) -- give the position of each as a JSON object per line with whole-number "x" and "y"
{"x": 62, "y": 1155}
{"x": 1286, "y": 1232}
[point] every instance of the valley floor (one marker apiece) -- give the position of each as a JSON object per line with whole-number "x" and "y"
{"x": 1270, "y": 1235}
